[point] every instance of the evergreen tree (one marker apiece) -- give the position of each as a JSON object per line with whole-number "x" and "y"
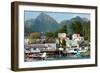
{"x": 76, "y": 27}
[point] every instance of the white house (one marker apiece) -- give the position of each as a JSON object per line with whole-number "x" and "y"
{"x": 26, "y": 40}
{"x": 61, "y": 35}
{"x": 77, "y": 37}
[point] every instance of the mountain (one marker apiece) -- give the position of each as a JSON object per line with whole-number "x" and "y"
{"x": 68, "y": 23}
{"x": 44, "y": 23}
{"x": 77, "y": 18}
{"x": 28, "y": 25}
{"x": 85, "y": 19}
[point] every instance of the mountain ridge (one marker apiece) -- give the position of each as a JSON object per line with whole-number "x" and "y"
{"x": 45, "y": 23}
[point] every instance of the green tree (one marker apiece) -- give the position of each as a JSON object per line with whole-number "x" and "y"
{"x": 34, "y": 35}
{"x": 76, "y": 27}
{"x": 63, "y": 29}
{"x": 86, "y": 30}
{"x": 63, "y": 44}
{"x": 49, "y": 34}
